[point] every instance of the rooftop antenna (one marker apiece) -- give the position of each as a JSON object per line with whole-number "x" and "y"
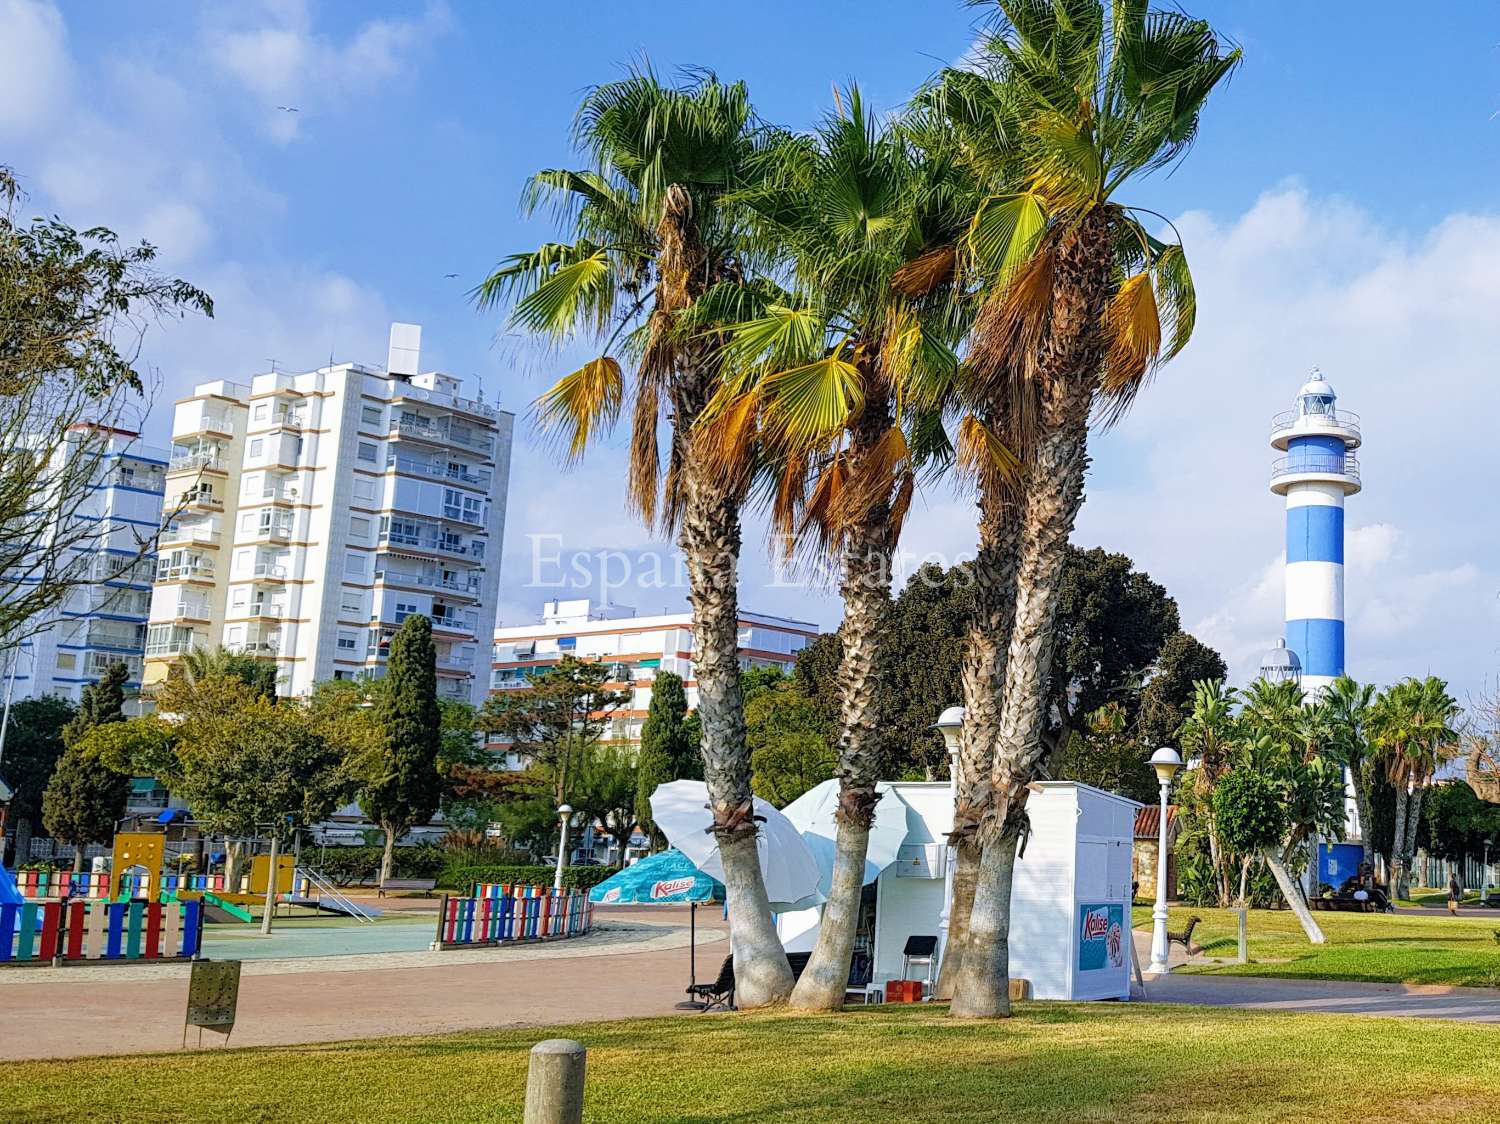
{"x": 273, "y": 365}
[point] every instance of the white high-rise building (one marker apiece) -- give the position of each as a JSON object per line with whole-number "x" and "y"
{"x": 321, "y": 509}
{"x": 111, "y": 487}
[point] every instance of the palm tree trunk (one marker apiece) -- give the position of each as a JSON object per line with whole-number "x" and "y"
{"x": 1399, "y": 886}
{"x": 866, "y": 591}
{"x": 981, "y": 988}
{"x": 1413, "y": 818}
{"x": 1362, "y": 807}
{"x": 983, "y": 677}
{"x": 710, "y": 540}
{"x": 1293, "y": 895}
{"x": 1067, "y": 368}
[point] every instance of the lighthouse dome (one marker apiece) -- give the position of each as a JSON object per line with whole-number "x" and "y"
{"x": 1316, "y": 395}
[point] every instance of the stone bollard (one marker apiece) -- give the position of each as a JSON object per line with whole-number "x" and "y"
{"x": 554, "y": 1083}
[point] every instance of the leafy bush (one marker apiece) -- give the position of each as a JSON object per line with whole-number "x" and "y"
{"x": 347, "y": 866}
{"x": 462, "y": 878}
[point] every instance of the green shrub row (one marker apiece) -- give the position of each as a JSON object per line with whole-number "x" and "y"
{"x": 347, "y": 866}
{"x": 463, "y": 878}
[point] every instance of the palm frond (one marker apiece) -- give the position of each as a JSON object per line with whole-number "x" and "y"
{"x": 582, "y": 403}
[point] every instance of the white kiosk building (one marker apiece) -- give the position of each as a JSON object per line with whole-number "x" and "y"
{"x": 1070, "y": 902}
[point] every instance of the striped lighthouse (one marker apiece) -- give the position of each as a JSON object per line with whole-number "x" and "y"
{"x": 1317, "y": 469}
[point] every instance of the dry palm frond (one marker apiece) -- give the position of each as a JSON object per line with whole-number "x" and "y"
{"x": 581, "y": 403}
{"x": 982, "y": 454}
{"x": 645, "y": 461}
{"x": 872, "y": 478}
{"x": 1132, "y": 328}
{"x": 818, "y": 515}
{"x": 926, "y": 273}
{"x": 726, "y": 438}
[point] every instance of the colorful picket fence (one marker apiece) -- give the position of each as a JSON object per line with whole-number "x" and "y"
{"x": 53, "y": 885}
{"x": 79, "y": 930}
{"x": 499, "y": 914}
{"x": 194, "y": 883}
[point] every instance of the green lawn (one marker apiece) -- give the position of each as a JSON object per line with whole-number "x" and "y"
{"x": 885, "y": 1065}
{"x": 1374, "y": 947}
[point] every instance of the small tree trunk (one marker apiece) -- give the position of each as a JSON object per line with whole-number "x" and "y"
{"x": 1245, "y": 882}
{"x": 1293, "y": 895}
{"x": 1413, "y": 817}
{"x": 825, "y": 980}
{"x": 78, "y": 857}
{"x": 388, "y": 856}
{"x": 982, "y": 987}
{"x": 23, "y": 842}
{"x": 1216, "y": 860}
{"x": 965, "y": 879}
{"x": 1362, "y": 809}
{"x": 232, "y": 852}
{"x": 1399, "y": 887}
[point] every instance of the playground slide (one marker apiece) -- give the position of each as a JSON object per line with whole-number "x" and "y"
{"x": 216, "y": 908}
{"x": 9, "y": 893}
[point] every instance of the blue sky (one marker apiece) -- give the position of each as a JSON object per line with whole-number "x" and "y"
{"x": 1339, "y": 210}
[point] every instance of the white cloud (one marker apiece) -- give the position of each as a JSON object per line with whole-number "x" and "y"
{"x": 274, "y": 52}
{"x": 35, "y": 72}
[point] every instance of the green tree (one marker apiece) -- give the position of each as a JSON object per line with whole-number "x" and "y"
{"x": 1106, "y": 756}
{"x": 401, "y": 786}
{"x": 666, "y": 754}
{"x": 651, "y": 241}
{"x": 1411, "y": 723}
{"x": 1346, "y": 710}
{"x": 205, "y": 663}
{"x": 555, "y": 720}
{"x": 74, "y": 305}
{"x": 84, "y": 799}
{"x": 33, "y": 744}
{"x": 1167, "y": 698}
{"x": 1456, "y": 822}
{"x": 791, "y": 739}
{"x": 1066, "y": 106}
{"x": 606, "y": 793}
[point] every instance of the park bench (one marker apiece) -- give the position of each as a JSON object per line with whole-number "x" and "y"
{"x": 1343, "y": 903}
{"x": 1184, "y": 938}
{"x": 416, "y": 885}
{"x": 720, "y": 993}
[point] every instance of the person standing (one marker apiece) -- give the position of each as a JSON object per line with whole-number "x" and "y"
{"x": 1455, "y": 892}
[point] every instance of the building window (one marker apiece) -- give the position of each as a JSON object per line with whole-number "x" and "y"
{"x": 405, "y": 609}
{"x": 364, "y": 488}
{"x": 66, "y": 661}
{"x": 260, "y": 412}
{"x": 367, "y": 451}
{"x": 370, "y": 415}
{"x": 352, "y": 603}
{"x": 257, "y": 446}
{"x": 347, "y": 641}
{"x": 354, "y": 564}
{"x": 359, "y": 527}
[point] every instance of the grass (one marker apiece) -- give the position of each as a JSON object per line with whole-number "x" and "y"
{"x": 1372, "y": 947}
{"x": 884, "y": 1065}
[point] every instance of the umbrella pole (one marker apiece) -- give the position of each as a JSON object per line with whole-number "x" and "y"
{"x": 692, "y": 1004}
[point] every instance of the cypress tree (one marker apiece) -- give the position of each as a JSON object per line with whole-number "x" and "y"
{"x": 666, "y": 752}
{"x": 84, "y": 799}
{"x": 405, "y": 788}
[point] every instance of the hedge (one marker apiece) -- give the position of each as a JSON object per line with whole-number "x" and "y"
{"x": 349, "y": 865}
{"x": 462, "y": 878}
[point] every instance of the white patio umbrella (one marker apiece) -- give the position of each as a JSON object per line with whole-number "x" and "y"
{"x": 813, "y": 813}
{"x": 680, "y": 809}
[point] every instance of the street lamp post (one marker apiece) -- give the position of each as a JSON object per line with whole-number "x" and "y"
{"x": 1166, "y": 762}
{"x": 564, "y": 814}
{"x": 950, "y": 724}
{"x": 1485, "y": 877}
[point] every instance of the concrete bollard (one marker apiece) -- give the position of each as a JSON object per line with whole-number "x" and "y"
{"x": 1244, "y": 943}
{"x": 554, "y": 1083}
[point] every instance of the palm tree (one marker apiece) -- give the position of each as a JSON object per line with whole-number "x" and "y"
{"x": 840, "y": 375}
{"x": 1346, "y": 705}
{"x": 1411, "y": 722}
{"x": 651, "y": 238}
{"x": 1082, "y": 304}
{"x": 1208, "y": 742}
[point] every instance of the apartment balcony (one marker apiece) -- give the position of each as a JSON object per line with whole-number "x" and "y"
{"x": 120, "y": 602}
{"x": 192, "y": 609}
{"x": 288, "y": 419}
{"x": 197, "y": 462}
{"x": 268, "y": 648}
{"x": 455, "y": 664}
{"x": 406, "y": 579}
{"x": 106, "y": 634}
{"x": 269, "y": 572}
{"x": 413, "y": 467}
{"x": 199, "y": 500}
{"x": 269, "y": 610}
{"x": 462, "y": 624}
{"x": 207, "y": 421}
{"x": 176, "y": 645}
{"x": 283, "y": 495}
{"x": 118, "y": 568}
{"x": 405, "y": 543}
{"x": 438, "y": 433}
{"x": 97, "y": 663}
{"x": 280, "y": 531}
{"x": 453, "y": 689}
{"x": 189, "y": 535}
{"x": 195, "y": 570}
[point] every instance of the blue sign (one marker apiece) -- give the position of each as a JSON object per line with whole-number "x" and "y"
{"x": 1101, "y": 937}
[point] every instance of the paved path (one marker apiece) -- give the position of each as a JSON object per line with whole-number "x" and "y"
{"x": 630, "y": 968}
{"x": 1328, "y": 997}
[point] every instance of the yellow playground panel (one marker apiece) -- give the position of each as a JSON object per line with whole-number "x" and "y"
{"x": 260, "y": 865}
{"x": 139, "y": 849}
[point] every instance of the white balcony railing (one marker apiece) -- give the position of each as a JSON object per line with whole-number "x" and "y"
{"x": 266, "y": 609}
{"x": 1345, "y": 465}
{"x": 201, "y": 569}
{"x": 186, "y": 461}
{"x": 270, "y": 571}
{"x": 439, "y": 471}
{"x": 191, "y": 609}
{"x": 1290, "y": 421}
{"x": 201, "y": 536}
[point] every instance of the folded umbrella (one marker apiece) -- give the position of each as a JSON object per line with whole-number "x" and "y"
{"x": 814, "y": 815}
{"x": 681, "y": 812}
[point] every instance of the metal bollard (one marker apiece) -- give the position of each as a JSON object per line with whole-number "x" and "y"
{"x": 554, "y": 1082}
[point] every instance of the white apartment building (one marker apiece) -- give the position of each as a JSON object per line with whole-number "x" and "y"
{"x": 113, "y": 508}
{"x": 319, "y": 510}
{"x": 636, "y": 649}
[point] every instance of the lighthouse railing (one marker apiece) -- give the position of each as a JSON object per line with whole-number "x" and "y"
{"x": 1286, "y": 422}
{"x": 1317, "y": 464}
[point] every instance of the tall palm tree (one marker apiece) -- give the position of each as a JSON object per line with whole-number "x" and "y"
{"x": 1346, "y": 705}
{"x": 1412, "y": 724}
{"x": 651, "y": 237}
{"x": 1073, "y": 103}
{"x": 842, "y": 374}
{"x": 1208, "y": 742}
